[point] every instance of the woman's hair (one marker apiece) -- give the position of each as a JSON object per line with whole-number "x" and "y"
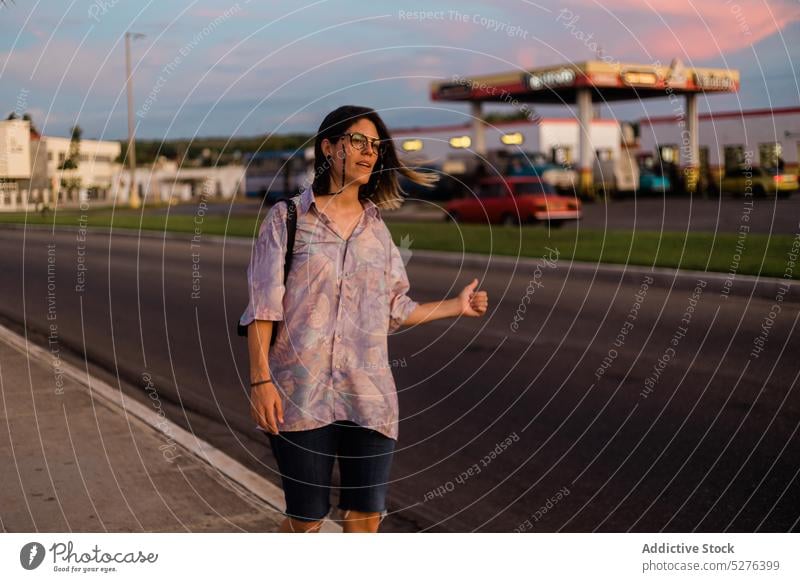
{"x": 383, "y": 187}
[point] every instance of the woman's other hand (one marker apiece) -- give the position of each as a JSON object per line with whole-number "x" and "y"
{"x": 473, "y": 303}
{"x": 266, "y": 407}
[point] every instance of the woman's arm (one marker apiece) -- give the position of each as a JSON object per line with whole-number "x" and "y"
{"x": 259, "y": 333}
{"x": 266, "y": 407}
{"x": 469, "y": 302}
{"x": 426, "y": 312}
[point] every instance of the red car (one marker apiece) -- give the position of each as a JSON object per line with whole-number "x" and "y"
{"x": 514, "y": 199}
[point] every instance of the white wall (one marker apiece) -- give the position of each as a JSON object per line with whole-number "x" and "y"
{"x": 539, "y": 137}
{"x": 15, "y": 149}
{"x": 98, "y": 166}
{"x": 605, "y": 134}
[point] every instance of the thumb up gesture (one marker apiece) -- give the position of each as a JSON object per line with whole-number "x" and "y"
{"x": 473, "y": 303}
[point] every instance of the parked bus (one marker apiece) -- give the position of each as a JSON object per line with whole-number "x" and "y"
{"x": 272, "y": 175}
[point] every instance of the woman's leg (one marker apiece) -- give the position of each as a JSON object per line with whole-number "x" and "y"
{"x": 361, "y": 521}
{"x": 365, "y": 458}
{"x": 305, "y": 461}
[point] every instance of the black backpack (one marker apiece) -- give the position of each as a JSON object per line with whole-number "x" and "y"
{"x": 291, "y": 229}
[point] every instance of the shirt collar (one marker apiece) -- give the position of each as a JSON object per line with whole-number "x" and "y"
{"x": 307, "y": 199}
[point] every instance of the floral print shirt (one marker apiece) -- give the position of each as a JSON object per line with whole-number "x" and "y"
{"x": 342, "y": 298}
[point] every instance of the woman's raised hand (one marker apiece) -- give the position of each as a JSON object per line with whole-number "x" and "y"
{"x": 473, "y": 303}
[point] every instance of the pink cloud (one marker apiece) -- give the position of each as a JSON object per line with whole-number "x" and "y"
{"x": 526, "y": 57}
{"x": 696, "y": 29}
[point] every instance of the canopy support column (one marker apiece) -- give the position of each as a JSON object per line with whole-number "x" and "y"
{"x": 478, "y": 128}
{"x": 586, "y": 160}
{"x": 691, "y": 145}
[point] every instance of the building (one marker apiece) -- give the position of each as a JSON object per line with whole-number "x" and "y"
{"x": 32, "y": 172}
{"x": 15, "y": 161}
{"x": 96, "y": 164}
{"x": 557, "y": 138}
{"x": 39, "y": 180}
{"x": 15, "y": 151}
{"x": 163, "y": 181}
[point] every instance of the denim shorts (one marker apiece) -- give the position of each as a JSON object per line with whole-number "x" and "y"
{"x": 305, "y": 460}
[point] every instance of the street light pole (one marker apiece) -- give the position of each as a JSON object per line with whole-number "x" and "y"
{"x": 133, "y": 196}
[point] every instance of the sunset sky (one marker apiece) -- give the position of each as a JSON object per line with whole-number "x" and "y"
{"x": 245, "y": 68}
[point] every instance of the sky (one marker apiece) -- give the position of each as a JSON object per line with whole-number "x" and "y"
{"x": 250, "y": 67}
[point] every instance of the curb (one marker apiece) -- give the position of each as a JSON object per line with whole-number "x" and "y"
{"x": 205, "y": 452}
{"x": 740, "y": 285}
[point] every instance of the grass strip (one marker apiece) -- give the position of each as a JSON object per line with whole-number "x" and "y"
{"x": 722, "y": 252}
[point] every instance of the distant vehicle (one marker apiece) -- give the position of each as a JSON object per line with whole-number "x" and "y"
{"x": 514, "y": 199}
{"x": 536, "y": 164}
{"x": 652, "y": 182}
{"x": 617, "y": 175}
{"x": 653, "y": 178}
{"x": 760, "y": 181}
{"x": 273, "y": 175}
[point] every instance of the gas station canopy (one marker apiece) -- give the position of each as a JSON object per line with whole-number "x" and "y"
{"x": 591, "y": 82}
{"x": 608, "y": 81}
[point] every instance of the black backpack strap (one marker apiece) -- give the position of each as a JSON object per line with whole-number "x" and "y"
{"x": 291, "y": 231}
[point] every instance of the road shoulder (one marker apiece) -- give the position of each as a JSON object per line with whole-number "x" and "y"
{"x": 81, "y": 456}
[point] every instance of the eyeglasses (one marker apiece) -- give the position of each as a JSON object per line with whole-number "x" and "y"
{"x": 359, "y": 141}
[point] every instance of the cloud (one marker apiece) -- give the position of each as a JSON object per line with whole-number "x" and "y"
{"x": 526, "y": 57}
{"x": 64, "y": 58}
{"x": 693, "y": 29}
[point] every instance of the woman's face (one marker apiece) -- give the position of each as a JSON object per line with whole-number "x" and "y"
{"x": 358, "y": 163}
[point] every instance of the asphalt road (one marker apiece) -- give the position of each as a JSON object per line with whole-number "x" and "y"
{"x": 686, "y": 214}
{"x": 564, "y": 423}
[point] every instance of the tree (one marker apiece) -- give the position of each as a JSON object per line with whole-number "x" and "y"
{"x": 75, "y": 144}
{"x": 73, "y": 159}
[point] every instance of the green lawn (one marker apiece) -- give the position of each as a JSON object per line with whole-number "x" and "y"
{"x": 762, "y": 254}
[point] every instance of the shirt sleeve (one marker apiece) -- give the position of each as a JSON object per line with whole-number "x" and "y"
{"x": 400, "y": 304}
{"x": 265, "y": 271}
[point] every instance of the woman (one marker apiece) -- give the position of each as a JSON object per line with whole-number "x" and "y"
{"x": 324, "y": 390}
